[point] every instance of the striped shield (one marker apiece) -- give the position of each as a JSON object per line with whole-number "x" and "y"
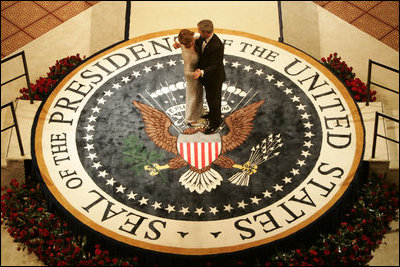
{"x": 198, "y": 149}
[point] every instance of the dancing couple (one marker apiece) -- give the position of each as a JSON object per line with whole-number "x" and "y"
{"x": 203, "y": 66}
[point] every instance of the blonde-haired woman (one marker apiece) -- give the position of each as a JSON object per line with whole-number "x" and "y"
{"x": 194, "y": 88}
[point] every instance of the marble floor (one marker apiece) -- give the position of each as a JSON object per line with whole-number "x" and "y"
{"x": 24, "y": 21}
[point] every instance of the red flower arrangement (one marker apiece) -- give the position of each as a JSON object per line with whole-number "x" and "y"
{"x": 43, "y": 86}
{"x": 45, "y": 234}
{"x": 24, "y": 212}
{"x": 63, "y": 66}
{"x": 39, "y": 90}
{"x": 356, "y": 87}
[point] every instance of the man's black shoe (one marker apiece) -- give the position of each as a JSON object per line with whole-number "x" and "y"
{"x": 211, "y": 129}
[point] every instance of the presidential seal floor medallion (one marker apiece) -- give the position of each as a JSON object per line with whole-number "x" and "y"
{"x": 112, "y": 147}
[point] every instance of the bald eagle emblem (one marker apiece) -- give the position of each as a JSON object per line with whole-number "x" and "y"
{"x": 199, "y": 151}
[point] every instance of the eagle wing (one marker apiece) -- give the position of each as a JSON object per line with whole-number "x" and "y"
{"x": 157, "y": 127}
{"x": 240, "y": 125}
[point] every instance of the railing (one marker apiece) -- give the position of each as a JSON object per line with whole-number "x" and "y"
{"x": 26, "y": 73}
{"x": 377, "y": 115}
{"x": 370, "y": 62}
{"x": 127, "y": 19}
{"x": 14, "y": 125}
{"x": 280, "y": 39}
{"x": 11, "y": 104}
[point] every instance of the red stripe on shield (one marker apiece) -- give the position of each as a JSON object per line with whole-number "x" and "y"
{"x": 188, "y": 156}
{"x": 216, "y": 151}
{"x": 196, "y": 156}
{"x": 203, "y": 156}
{"x": 209, "y": 153}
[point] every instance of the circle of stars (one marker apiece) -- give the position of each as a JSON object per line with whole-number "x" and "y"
{"x": 229, "y": 207}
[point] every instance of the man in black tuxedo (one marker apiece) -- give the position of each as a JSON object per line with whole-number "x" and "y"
{"x": 211, "y": 71}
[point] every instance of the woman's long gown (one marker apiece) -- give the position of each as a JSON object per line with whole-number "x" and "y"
{"x": 194, "y": 88}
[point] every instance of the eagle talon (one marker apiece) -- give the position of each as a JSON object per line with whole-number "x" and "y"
{"x": 248, "y": 168}
{"x": 154, "y": 169}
